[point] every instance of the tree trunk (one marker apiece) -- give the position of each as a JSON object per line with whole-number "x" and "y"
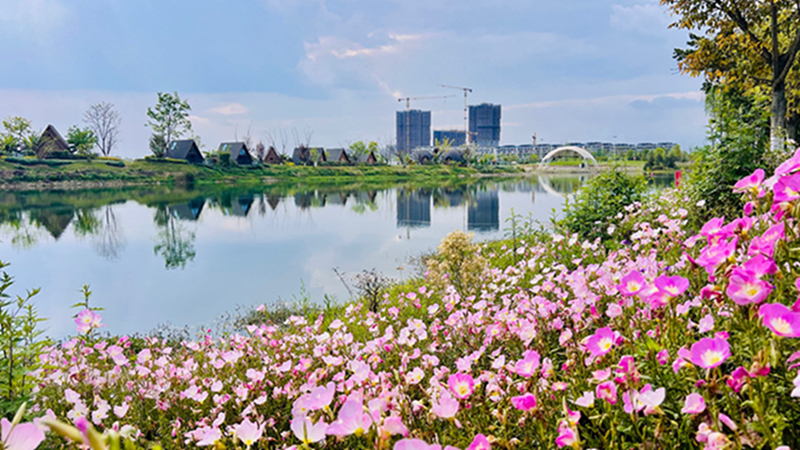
{"x": 778, "y": 119}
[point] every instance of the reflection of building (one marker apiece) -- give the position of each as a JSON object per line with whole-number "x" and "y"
{"x": 484, "y": 124}
{"x": 303, "y": 199}
{"x": 413, "y": 209}
{"x": 188, "y": 211}
{"x": 418, "y": 133}
{"x": 273, "y": 201}
{"x": 448, "y": 198}
{"x": 242, "y": 205}
{"x": 484, "y": 212}
{"x": 454, "y": 137}
{"x": 54, "y": 220}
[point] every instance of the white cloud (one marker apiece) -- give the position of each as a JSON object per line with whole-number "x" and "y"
{"x": 624, "y": 98}
{"x": 231, "y": 109}
{"x": 647, "y": 18}
{"x": 197, "y": 119}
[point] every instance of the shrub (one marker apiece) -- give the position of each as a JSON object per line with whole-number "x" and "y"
{"x": 601, "y": 202}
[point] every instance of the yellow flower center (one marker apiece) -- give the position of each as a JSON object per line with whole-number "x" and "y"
{"x": 781, "y": 326}
{"x": 462, "y": 389}
{"x": 633, "y": 286}
{"x": 712, "y": 357}
{"x": 605, "y": 344}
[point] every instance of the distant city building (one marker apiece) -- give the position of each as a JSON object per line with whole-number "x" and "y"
{"x": 418, "y": 133}
{"x": 455, "y": 137}
{"x": 484, "y": 124}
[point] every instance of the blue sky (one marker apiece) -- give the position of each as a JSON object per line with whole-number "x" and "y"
{"x": 568, "y": 70}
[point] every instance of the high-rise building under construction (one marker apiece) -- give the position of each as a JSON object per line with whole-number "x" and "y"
{"x": 484, "y": 124}
{"x": 418, "y": 133}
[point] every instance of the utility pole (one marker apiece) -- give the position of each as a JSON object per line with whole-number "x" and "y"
{"x": 466, "y": 110}
{"x": 408, "y": 113}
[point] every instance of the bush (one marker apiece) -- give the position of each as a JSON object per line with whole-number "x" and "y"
{"x": 38, "y": 162}
{"x": 156, "y": 159}
{"x": 601, "y": 202}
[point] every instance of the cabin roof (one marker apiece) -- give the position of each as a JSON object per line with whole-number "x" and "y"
{"x": 181, "y": 149}
{"x": 234, "y": 148}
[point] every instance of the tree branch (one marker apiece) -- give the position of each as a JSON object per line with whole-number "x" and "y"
{"x": 740, "y": 21}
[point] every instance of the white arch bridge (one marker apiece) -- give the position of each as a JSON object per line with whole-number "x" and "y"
{"x": 548, "y": 158}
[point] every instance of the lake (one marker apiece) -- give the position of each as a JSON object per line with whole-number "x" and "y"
{"x": 155, "y": 255}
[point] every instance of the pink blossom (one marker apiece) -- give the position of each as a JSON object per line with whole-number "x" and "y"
{"x": 480, "y": 442}
{"x": 712, "y": 227}
{"x": 787, "y": 189}
{"x": 651, "y": 399}
{"x": 307, "y": 431}
{"x": 394, "y": 425}
{"x": 706, "y": 323}
{"x": 601, "y": 341}
{"x": 320, "y": 397}
{"x": 446, "y": 407}
{"x": 87, "y": 320}
{"x": 524, "y": 402}
{"x": 607, "y": 391}
{"x": 461, "y": 384}
{"x": 23, "y": 436}
{"x": 790, "y": 165}
{"x": 586, "y": 400}
{"x": 695, "y": 404}
{"x": 780, "y": 319}
{"x": 352, "y": 419}
{"x": 248, "y": 432}
{"x": 750, "y": 182}
{"x": 713, "y": 255}
{"x": 709, "y": 353}
{"x": 632, "y": 284}
{"x": 745, "y": 287}
{"x": 567, "y": 436}
{"x": 673, "y": 286}
{"x": 207, "y": 436}
{"x": 527, "y": 366}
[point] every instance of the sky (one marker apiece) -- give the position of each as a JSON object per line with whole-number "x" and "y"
{"x": 566, "y": 70}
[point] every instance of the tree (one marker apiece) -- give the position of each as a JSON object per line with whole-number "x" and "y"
{"x": 168, "y": 119}
{"x": 37, "y": 145}
{"x": 751, "y": 45}
{"x": 17, "y": 130}
{"x": 357, "y": 149}
{"x": 80, "y": 140}
{"x": 158, "y": 145}
{"x": 104, "y": 121}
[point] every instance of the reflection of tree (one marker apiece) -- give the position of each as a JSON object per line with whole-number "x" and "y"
{"x": 86, "y": 222}
{"x": 55, "y": 220}
{"x": 24, "y": 233}
{"x": 175, "y": 244}
{"x": 109, "y": 241}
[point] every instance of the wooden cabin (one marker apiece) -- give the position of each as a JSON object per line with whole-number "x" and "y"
{"x": 302, "y": 156}
{"x": 272, "y": 156}
{"x": 368, "y": 158}
{"x": 53, "y": 142}
{"x": 338, "y": 155}
{"x": 238, "y": 151}
{"x": 186, "y": 150}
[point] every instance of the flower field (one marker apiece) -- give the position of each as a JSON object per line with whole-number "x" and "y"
{"x": 655, "y": 337}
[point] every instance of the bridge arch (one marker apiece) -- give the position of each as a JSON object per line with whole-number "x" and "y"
{"x": 570, "y": 148}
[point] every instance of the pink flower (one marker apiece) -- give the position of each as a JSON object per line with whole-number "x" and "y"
{"x": 479, "y": 443}
{"x": 695, "y": 404}
{"x": 601, "y": 341}
{"x": 607, "y": 391}
{"x": 713, "y": 226}
{"x": 248, "y": 432}
{"x": 446, "y": 407}
{"x": 23, "y": 436}
{"x": 790, "y": 165}
{"x": 320, "y": 397}
{"x": 461, "y": 384}
{"x": 524, "y": 402}
{"x": 650, "y": 399}
{"x": 780, "y": 319}
{"x": 586, "y": 400}
{"x": 87, "y": 320}
{"x": 352, "y": 418}
{"x": 411, "y": 444}
{"x": 750, "y": 182}
{"x": 745, "y": 287}
{"x": 787, "y": 189}
{"x": 307, "y": 431}
{"x": 394, "y": 425}
{"x": 709, "y": 353}
{"x": 673, "y": 286}
{"x": 567, "y": 436}
{"x": 527, "y": 366}
{"x": 632, "y": 284}
{"x": 713, "y": 255}
{"x": 207, "y": 436}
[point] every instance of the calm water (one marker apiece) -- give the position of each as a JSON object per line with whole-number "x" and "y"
{"x": 157, "y": 255}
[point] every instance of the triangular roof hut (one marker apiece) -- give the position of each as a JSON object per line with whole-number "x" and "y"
{"x": 422, "y": 156}
{"x": 186, "y": 150}
{"x": 272, "y": 157}
{"x": 367, "y": 158}
{"x": 338, "y": 155}
{"x": 238, "y": 151}
{"x": 53, "y": 141}
{"x": 453, "y": 157}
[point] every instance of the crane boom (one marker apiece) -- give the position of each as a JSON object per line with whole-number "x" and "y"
{"x": 466, "y": 109}
{"x": 408, "y": 110}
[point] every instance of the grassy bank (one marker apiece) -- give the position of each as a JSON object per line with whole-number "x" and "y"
{"x": 14, "y": 175}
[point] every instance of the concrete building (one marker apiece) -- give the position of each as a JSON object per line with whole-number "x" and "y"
{"x": 484, "y": 124}
{"x": 418, "y": 133}
{"x": 455, "y": 137}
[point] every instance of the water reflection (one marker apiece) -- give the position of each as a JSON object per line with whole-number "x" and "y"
{"x": 148, "y": 252}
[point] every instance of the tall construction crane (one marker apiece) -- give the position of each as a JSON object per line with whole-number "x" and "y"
{"x": 408, "y": 110}
{"x": 466, "y": 109}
